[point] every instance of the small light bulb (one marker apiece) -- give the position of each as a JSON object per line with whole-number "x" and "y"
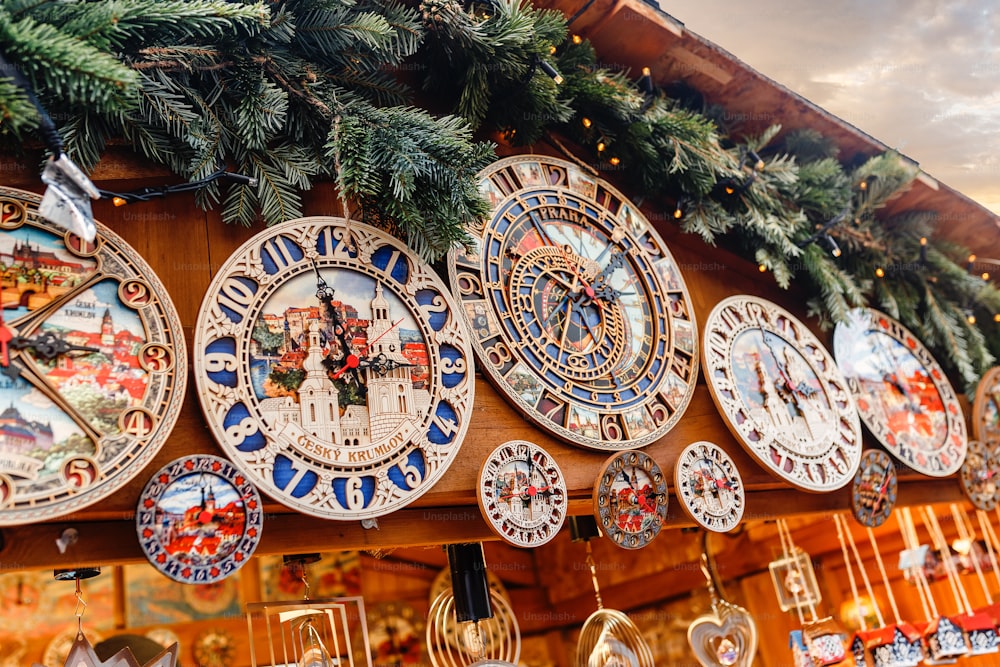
{"x": 996, "y": 318}
{"x": 730, "y": 189}
{"x": 614, "y": 160}
{"x": 118, "y": 201}
{"x": 552, "y": 50}
{"x": 972, "y": 258}
{"x": 577, "y": 39}
{"x": 986, "y": 275}
{"x": 646, "y": 71}
{"x": 971, "y": 318}
{"x": 923, "y": 240}
{"x": 600, "y": 146}
{"x": 836, "y": 252}
{"x": 863, "y": 185}
{"x": 678, "y": 213}
{"x": 585, "y": 122}
{"x": 879, "y": 272}
{"x": 761, "y": 268}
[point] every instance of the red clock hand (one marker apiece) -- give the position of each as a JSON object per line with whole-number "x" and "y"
{"x": 5, "y": 335}
{"x": 354, "y": 360}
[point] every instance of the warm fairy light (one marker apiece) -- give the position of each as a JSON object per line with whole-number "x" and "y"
{"x": 614, "y": 160}
{"x": 863, "y": 185}
{"x": 577, "y": 39}
{"x": 996, "y": 318}
{"x": 986, "y": 275}
{"x": 972, "y": 258}
{"x": 600, "y": 146}
{"x": 586, "y": 122}
{"x": 923, "y": 240}
{"x": 970, "y": 318}
{"x": 678, "y": 213}
{"x": 646, "y": 71}
{"x": 118, "y": 201}
{"x": 761, "y": 268}
{"x": 836, "y": 252}
{"x": 552, "y": 50}
{"x": 730, "y": 189}
{"x": 879, "y": 272}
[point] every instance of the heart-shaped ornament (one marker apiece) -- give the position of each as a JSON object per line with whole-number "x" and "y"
{"x": 727, "y": 637}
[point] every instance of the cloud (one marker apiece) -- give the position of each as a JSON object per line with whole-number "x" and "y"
{"x": 918, "y": 75}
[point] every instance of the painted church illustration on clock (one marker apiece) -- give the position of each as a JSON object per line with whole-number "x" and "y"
{"x": 390, "y": 397}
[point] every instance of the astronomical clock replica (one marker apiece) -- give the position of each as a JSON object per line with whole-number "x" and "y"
{"x": 577, "y": 310}
{"x": 92, "y": 364}
{"x": 333, "y": 369}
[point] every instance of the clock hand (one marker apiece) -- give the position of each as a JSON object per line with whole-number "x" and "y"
{"x": 48, "y": 346}
{"x": 325, "y": 294}
{"x": 354, "y": 361}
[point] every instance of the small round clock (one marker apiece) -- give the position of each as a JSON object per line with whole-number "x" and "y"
{"x": 781, "y": 394}
{"x": 630, "y": 499}
{"x": 522, "y": 493}
{"x": 902, "y": 394}
{"x": 578, "y": 311}
{"x": 873, "y": 491}
{"x": 332, "y": 368}
{"x": 92, "y": 365}
{"x": 709, "y": 486}
{"x": 986, "y": 408}
{"x": 980, "y": 474}
{"x": 199, "y": 519}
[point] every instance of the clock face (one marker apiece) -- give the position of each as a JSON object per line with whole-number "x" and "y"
{"x": 986, "y": 408}
{"x": 902, "y": 394}
{"x": 332, "y": 370}
{"x": 630, "y": 499}
{"x": 578, "y": 311}
{"x": 873, "y": 491}
{"x": 781, "y": 394}
{"x": 199, "y": 519}
{"x": 395, "y": 635}
{"x": 980, "y": 474}
{"x": 92, "y": 365}
{"x": 522, "y": 493}
{"x": 709, "y": 486}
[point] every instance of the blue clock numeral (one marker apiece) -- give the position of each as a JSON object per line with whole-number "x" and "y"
{"x": 294, "y": 481}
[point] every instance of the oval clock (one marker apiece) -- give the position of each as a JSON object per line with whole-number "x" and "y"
{"x": 92, "y": 364}
{"x": 578, "y": 311}
{"x": 873, "y": 491}
{"x": 199, "y": 519}
{"x": 781, "y": 394}
{"x": 332, "y": 368}
{"x": 630, "y": 499}
{"x": 902, "y": 394}
{"x": 986, "y": 408}
{"x": 980, "y": 475}
{"x": 522, "y": 493}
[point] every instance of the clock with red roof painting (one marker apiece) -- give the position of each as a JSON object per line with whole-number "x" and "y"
{"x": 903, "y": 396}
{"x": 986, "y": 408}
{"x": 333, "y": 369}
{"x": 92, "y": 364}
{"x": 630, "y": 499}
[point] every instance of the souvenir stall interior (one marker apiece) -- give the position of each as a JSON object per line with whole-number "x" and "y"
{"x": 457, "y": 334}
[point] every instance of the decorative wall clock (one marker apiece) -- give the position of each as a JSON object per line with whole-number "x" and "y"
{"x": 630, "y": 499}
{"x": 986, "y": 408}
{"x": 781, "y": 394}
{"x": 332, "y": 369}
{"x": 709, "y": 486}
{"x": 578, "y": 311}
{"x": 522, "y": 493}
{"x": 980, "y": 475}
{"x": 199, "y": 519}
{"x": 873, "y": 491}
{"x": 902, "y": 394}
{"x": 92, "y": 364}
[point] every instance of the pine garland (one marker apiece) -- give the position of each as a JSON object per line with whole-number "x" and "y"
{"x": 303, "y": 89}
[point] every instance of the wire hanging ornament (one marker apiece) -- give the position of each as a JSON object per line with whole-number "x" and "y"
{"x": 608, "y": 637}
{"x": 82, "y": 654}
{"x": 308, "y": 632}
{"x": 476, "y": 627}
{"x": 726, "y": 636}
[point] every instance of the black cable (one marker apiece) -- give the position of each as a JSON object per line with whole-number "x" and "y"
{"x": 46, "y": 128}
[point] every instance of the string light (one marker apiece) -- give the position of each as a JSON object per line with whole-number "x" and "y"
{"x": 646, "y": 81}
{"x": 577, "y": 39}
{"x": 614, "y": 160}
{"x": 762, "y": 268}
{"x": 600, "y": 146}
{"x": 970, "y": 317}
{"x": 550, "y": 71}
{"x": 831, "y": 245}
{"x": 985, "y": 275}
{"x": 586, "y": 122}
{"x": 970, "y": 262}
{"x": 996, "y": 318}
{"x": 923, "y": 249}
{"x": 879, "y": 272}
{"x": 146, "y": 194}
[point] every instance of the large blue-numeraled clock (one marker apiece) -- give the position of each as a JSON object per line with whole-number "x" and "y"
{"x": 332, "y": 368}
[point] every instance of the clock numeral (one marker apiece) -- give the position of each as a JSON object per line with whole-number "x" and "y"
{"x": 156, "y": 358}
{"x": 237, "y": 433}
{"x": 135, "y": 293}
{"x": 278, "y": 253}
{"x": 137, "y": 422}
{"x": 235, "y": 296}
{"x": 681, "y": 366}
{"x": 79, "y": 472}
{"x": 411, "y": 475}
{"x": 219, "y": 362}
{"x": 354, "y": 493}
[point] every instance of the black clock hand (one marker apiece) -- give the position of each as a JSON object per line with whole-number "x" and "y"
{"x": 48, "y": 346}
{"x": 325, "y": 294}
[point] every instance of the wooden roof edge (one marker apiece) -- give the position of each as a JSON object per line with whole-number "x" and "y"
{"x": 971, "y": 224}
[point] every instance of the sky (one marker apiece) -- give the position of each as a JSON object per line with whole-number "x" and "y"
{"x": 921, "y": 76}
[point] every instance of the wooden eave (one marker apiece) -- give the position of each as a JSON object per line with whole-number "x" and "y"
{"x": 631, "y": 34}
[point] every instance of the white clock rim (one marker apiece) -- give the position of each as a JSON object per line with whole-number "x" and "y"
{"x": 942, "y": 385}
{"x": 850, "y": 415}
{"x": 678, "y": 470}
{"x": 11, "y": 515}
{"x": 463, "y": 345}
